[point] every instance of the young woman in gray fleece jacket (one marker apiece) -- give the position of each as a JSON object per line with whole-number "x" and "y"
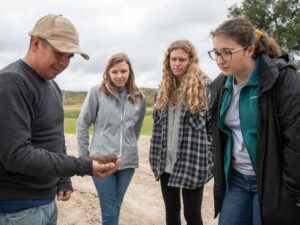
{"x": 116, "y": 108}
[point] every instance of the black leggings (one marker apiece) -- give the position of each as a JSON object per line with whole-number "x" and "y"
{"x": 192, "y": 200}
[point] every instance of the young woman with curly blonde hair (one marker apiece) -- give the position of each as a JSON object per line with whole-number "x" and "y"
{"x": 181, "y": 143}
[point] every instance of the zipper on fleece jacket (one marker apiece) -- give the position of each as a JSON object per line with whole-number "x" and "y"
{"x": 121, "y": 132}
{"x": 122, "y": 127}
{"x": 122, "y": 121}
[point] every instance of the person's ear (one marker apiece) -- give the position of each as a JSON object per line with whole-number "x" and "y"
{"x": 251, "y": 50}
{"x": 35, "y": 41}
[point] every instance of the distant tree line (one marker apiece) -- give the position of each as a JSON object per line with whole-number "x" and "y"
{"x": 77, "y": 97}
{"x": 73, "y": 97}
{"x": 149, "y": 94}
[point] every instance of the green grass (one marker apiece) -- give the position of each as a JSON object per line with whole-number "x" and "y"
{"x": 72, "y": 113}
{"x": 147, "y": 125}
{"x": 71, "y": 116}
{"x": 70, "y": 126}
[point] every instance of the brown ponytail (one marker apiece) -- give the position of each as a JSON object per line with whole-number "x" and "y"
{"x": 267, "y": 45}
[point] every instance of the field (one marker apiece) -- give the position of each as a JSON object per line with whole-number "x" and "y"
{"x": 143, "y": 203}
{"x": 72, "y": 112}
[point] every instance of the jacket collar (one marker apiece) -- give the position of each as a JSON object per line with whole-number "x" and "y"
{"x": 268, "y": 73}
{"x": 253, "y": 80}
{"x": 270, "y": 68}
{"x": 106, "y": 85}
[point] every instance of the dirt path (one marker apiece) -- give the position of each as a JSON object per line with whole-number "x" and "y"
{"x": 143, "y": 204}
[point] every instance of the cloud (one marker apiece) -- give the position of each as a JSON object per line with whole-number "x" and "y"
{"x": 140, "y": 28}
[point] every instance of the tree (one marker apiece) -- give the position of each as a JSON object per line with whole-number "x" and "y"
{"x": 278, "y": 18}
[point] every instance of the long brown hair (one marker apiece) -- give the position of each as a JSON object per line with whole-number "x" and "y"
{"x": 242, "y": 32}
{"x": 192, "y": 87}
{"x": 133, "y": 90}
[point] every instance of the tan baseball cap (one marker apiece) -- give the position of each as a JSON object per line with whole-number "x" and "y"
{"x": 59, "y": 32}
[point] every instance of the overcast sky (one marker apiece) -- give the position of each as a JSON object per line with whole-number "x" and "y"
{"x": 143, "y": 29}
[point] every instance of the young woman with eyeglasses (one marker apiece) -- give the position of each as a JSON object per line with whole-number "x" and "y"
{"x": 257, "y": 129}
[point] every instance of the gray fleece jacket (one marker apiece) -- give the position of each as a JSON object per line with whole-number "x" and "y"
{"x": 114, "y": 131}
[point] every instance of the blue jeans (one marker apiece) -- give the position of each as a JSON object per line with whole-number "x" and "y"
{"x": 111, "y": 191}
{"x": 240, "y": 205}
{"x": 41, "y": 215}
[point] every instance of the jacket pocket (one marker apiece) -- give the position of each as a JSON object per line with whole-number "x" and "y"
{"x": 133, "y": 112}
{"x": 198, "y": 121}
{"x": 283, "y": 211}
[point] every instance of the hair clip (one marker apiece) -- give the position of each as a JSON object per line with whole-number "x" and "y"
{"x": 258, "y": 34}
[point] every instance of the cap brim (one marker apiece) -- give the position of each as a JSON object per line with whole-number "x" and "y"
{"x": 67, "y": 47}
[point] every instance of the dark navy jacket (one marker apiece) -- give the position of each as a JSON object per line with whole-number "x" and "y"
{"x": 278, "y": 148}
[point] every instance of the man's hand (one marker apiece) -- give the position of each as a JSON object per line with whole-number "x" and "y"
{"x": 298, "y": 204}
{"x": 103, "y": 170}
{"x": 64, "y": 195}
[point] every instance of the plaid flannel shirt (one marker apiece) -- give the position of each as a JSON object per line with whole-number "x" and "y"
{"x": 193, "y": 166}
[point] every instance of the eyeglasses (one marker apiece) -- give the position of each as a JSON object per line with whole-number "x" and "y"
{"x": 225, "y": 54}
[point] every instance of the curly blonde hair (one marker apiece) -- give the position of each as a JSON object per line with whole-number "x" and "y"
{"x": 133, "y": 90}
{"x": 192, "y": 87}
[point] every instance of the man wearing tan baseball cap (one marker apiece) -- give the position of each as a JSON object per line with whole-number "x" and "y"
{"x": 59, "y": 38}
{"x": 60, "y": 33}
{"x": 34, "y": 166}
